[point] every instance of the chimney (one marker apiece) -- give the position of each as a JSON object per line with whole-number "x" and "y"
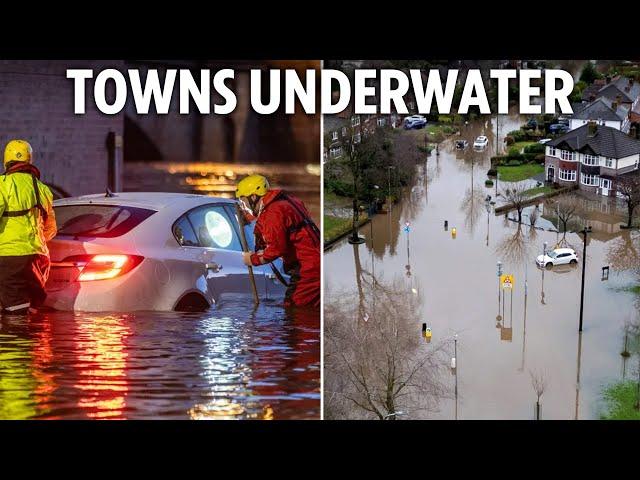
{"x": 608, "y": 79}
{"x": 592, "y": 129}
{"x": 614, "y": 106}
{"x": 618, "y": 99}
{"x": 633, "y": 131}
{"x": 592, "y": 97}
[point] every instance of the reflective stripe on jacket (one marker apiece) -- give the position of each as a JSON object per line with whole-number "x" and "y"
{"x": 26, "y": 234}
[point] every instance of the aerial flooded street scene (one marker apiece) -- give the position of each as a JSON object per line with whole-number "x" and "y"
{"x": 462, "y": 285}
{"x": 155, "y": 308}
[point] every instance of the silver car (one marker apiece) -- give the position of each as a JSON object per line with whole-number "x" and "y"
{"x": 151, "y": 251}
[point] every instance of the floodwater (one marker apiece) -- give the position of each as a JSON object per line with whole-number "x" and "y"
{"x": 457, "y": 284}
{"x": 233, "y": 362}
{"x": 226, "y": 364}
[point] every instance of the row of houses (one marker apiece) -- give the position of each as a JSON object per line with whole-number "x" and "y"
{"x": 602, "y": 145}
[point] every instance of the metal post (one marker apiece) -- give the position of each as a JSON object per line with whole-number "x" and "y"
{"x": 584, "y": 263}
{"x": 544, "y": 267}
{"x": 455, "y": 354}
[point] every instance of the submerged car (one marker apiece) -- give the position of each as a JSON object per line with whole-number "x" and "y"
{"x": 414, "y": 121}
{"x": 481, "y": 142}
{"x": 461, "y": 144}
{"x": 559, "y": 256}
{"x": 151, "y": 251}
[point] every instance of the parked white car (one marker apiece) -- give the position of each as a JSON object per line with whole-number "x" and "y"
{"x": 543, "y": 141}
{"x": 559, "y": 256}
{"x": 481, "y": 142}
{"x": 414, "y": 121}
{"x": 151, "y": 251}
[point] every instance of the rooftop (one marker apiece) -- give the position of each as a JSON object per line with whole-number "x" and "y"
{"x": 606, "y": 141}
{"x": 600, "y": 109}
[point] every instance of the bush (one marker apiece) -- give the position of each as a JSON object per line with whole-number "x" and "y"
{"x": 445, "y": 119}
{"x": 513, "y": 152}
{"x": 492, "y": 172}
{"x": 488, "y": 183}
{"x": 539, "y": 158}
{"x": 513, "y": 163}
{"x": 535, "y": 148}
{"x": 530, "y": 157}
{"x": 498, "y": 160}
{"x": 518, "y": 135}
{"x": 509, "y": 140}
{"x": 449, "y": 130}
{"x": 344, "y": 189}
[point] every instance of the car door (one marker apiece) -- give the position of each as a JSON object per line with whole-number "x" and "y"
{"x": 267, "y": 281}
{"x": 219, "y": 239}
{"x": 562, "y": 259}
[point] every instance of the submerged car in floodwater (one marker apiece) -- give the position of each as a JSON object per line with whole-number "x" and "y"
{"x": 151, "y": 251}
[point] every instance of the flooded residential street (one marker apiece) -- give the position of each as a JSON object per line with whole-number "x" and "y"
{"x": 233, "y": 361}
{"x": 452, "y": 286}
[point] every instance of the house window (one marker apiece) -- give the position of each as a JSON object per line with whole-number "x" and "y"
{"x": 344, "y": 131}
{"x": 552, "y": 151}
{"x": 590, "y": 159}
{"x": 609, "y": 162}
{"x": 334, "y": 135}
{"x": 605, "y": 183}
{"x": 589, "y": 180}
{"x": 567, "y": 175}
{"x": 382, "y": 122}
{"x": 357, "y": 138}
{"x": 355, "y": 121}
{"x": 335, "y": 152}
{"x": 567, "y": 155}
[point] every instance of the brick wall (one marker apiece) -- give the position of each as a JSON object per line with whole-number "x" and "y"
{"x": 36, "y": 104}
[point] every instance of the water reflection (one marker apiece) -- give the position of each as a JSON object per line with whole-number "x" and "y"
{"x": 230, "y": 363}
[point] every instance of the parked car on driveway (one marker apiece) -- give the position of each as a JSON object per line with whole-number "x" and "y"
{"x": 150, "y": 251}
{"x": 461, "y": 144}
{"x": 414, "y": 122}
{"x": 481, "y": 142}
{"x": 542, "y": 141}
{"x": 559, "y": 256}
{"x": 558, "y": 128}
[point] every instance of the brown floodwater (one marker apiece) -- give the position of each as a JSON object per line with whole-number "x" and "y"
{"x": 232, "y": 362}
{"x": 456, "y": 281}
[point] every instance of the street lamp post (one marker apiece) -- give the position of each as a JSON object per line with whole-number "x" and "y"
{"x": 389, "y": 170}
{"x": 455, "y": 356}
{"x": 584, "y": 232}
{"x": 544, "y": 267}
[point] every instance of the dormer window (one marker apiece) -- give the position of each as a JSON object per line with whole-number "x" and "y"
{"x": 568, "y": 156}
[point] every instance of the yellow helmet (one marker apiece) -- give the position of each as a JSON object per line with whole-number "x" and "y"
{"x": 17, "y": 151}
{"x": 253, "y": 184}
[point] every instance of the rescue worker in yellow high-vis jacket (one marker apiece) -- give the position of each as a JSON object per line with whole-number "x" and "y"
{"x": 27, "y": 223}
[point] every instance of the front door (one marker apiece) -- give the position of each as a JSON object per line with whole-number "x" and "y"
{"x": 606, "y": 186}
{"x": 551, "y": 174}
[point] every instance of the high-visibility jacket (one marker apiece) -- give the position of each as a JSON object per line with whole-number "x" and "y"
{"x": 29, "y": 232}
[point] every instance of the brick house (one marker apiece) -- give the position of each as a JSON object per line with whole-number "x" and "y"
{"x": 593, "y": 157}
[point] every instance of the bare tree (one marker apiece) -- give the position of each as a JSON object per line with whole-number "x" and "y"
{"x": 514, "y": 248}
{"x": 516, "y": 197}
{"x": 539, "y": 384}
{"x": 379, "y": 368}
{"x": 629, "y": 188}
{"x": 567, "y": 209}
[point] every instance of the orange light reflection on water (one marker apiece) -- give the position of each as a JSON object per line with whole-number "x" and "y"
{"x": 102, "y": 366}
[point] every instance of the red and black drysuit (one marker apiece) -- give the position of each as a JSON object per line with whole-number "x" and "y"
{"x": 285, "y": 229}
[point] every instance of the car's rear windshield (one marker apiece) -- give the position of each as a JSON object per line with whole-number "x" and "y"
{"x": 103, "y": 221}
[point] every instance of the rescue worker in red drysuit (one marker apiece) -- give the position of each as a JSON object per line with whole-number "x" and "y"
{"x": 283, "y": 229}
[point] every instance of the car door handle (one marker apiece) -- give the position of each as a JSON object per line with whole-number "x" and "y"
{"x": 214, "y": 267}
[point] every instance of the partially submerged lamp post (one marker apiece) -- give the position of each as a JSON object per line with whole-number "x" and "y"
{"x": 584, "y": 232}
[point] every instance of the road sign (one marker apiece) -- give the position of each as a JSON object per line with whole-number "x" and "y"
{"x": 507, "y": 282}
{"x": 407, "y": 227}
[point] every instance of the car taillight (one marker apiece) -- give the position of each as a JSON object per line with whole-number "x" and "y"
{"x": 104, "y": 266}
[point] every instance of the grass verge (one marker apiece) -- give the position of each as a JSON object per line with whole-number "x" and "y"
{"x": 538, "y": 190}
{"x": 620, "y": 400}
{"x": 519, "y": 173}
{"x": 335, "y": 227}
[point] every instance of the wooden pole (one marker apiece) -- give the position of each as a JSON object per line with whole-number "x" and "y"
{"x": 245, "y": 248}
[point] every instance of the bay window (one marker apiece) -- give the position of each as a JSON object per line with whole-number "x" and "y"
{"x": 567, "y": 175}
{"x": 589, "y": 179}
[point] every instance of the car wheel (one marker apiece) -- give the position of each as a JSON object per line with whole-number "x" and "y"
{"x": 573, "y": 261}
{"x": 192, "y": 302}
{"x": 548, "y": 266}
